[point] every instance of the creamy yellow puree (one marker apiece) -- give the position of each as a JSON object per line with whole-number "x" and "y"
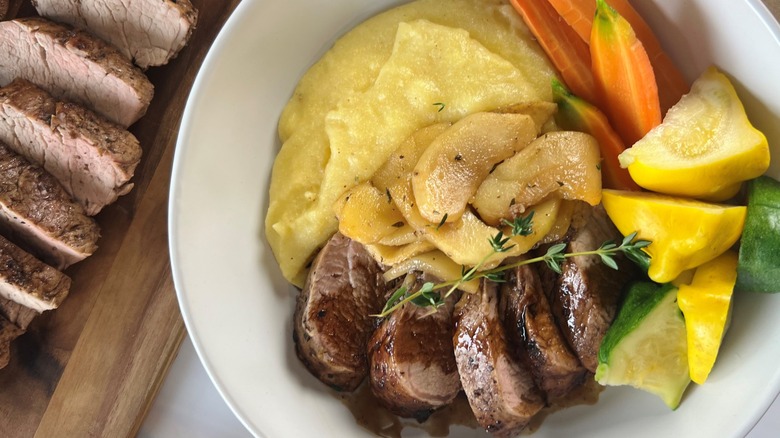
{"x": 379, "y": 83}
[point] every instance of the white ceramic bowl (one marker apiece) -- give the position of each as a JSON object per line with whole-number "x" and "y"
{"x": 238, "y": 308}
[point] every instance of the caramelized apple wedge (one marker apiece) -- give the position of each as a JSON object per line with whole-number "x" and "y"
{"x": 467, "y": 241}
{"x": 540, "y": 111}
{"x": 563, "y": 163}
{"x": 451, "y": 169}
{"x": 436, "y": 264}
{"x": 393, "y": 255}
{"x": 399, "y": 166}
{"x": 366, "y": 214}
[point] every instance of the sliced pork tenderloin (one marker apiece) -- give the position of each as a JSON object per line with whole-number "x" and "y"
{"x": 17, "y": 314}
{"x": 8, "y": 332}
{"x": 150, "y": 32}
{"x": 412, "y": 366}
{"x": 92, "y": 158}
{"x": 28, "y": 281}
{"x": 75, "y": 66}
{"x": 531, "y": 326}
{"x": 332, "y": 320}
{"x": 499, "y": 386}
{"x": 584, "y": 298}
{"x": 40, "y": 217}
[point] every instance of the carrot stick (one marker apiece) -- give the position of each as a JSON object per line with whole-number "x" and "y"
{"x": 623, "y": 74}
{"x": 576, "y": 114}
{"x": 671, "y": 83}
{"x": 565, "y": 49}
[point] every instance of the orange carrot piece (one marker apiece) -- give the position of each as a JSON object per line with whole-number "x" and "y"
{"x": 575, "y": 114}
{"x": 578, "y": 13}
{"x": 671, "y": 83}
{"x": 565, "y": 49}
{"x": 624, "y": 77}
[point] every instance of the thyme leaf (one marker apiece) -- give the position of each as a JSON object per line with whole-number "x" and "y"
{"x": 429, "y": 294}
{"x": 521, "y": 226}
{"x": 442, "y": 222}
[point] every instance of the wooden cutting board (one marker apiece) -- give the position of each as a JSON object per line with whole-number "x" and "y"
{"x": 93, "y": 366}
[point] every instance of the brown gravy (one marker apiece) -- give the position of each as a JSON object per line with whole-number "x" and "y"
{"x": 370, "y": 415}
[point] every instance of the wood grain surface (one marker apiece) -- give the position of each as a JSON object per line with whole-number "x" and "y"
{"x": 93, "y": 366}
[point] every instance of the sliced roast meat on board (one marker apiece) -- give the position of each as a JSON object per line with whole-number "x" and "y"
{"x": 28, "y": 281}
{"x": 332, "y": 321}
{"x": 16, "y": 313}
{"x": 92, "y": 158}
{"x": 75, "y": 66}
{"x": 499, "y": 386}
{"x": 8, "y": 332}
{"x": 412, "y": 366}
{"x": 531, "y": 326}
{"x": 585, "y": 297}
{"x": 40, "y": 217}
{"x": 150, "y": 32}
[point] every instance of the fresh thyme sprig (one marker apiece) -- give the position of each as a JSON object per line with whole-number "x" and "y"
{"x": 429, "y": 296}
{"x": 630, "y": 246}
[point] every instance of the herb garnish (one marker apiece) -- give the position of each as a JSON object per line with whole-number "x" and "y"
{"x": 440, "y": 105}
{"x": 442, "y": 222}
{"x": 428, "y": 295}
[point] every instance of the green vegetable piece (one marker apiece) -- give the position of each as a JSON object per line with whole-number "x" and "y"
{"x": 758, "y": 269}
{"x": 646, "y": 346}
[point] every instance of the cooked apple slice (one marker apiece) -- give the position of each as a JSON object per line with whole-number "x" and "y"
{"x": 436, "y": 264}
{"x": 540, "y": 111}
{"x": 366, "y": 214}
{"x": 399, "y": 166}
{"x": 467, "y": 241}
{"x": 392, "y": 255}
{"x": 451, "y": 169}
{"x": 566, "y": 163}
{"x": 404, "y": 235}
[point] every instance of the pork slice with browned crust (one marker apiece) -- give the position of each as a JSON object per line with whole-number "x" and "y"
{"x": 19, "y": 315}
{"x": 412, "y": 366}
{"x": 92, "y": 158}
{"x": 499, "y": 386}
{"x": 531, "y": 326}
{"x": 150, "y": 32}
{"x": 584, "y": 298}
{"x": 39, "y": 216}
{"x": 333, "y": 316}
{"x": 75, "y": 66}
{"x": 28, "y": 281}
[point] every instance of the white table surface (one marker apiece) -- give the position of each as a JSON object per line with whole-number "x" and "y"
{"x": 189, "y": 406}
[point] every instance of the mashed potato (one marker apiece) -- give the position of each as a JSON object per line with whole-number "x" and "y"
{"x": 377, "y": 86}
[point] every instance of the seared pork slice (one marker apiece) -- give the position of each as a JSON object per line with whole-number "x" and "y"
{"x": 531, "y": 326}
{"x": 74, "y": 66}
{"x": 150, "y": 32}
{"x": 16, "y": 313}
{"x": 28, "y": 281}
{"x": 8, "y": 332}
{"x": 499, "y": 386}
{"x": 36, "y": 212}
{"x": 92, "y": 158}
{"x": 3, "y": 9}
{"x": 585, "y": 297}
{"x": 332, "y": 321}
{"x": 412, "y": 366}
